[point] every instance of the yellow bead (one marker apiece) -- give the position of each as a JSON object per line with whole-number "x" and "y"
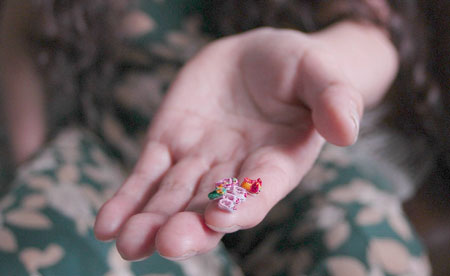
{"x": 246, "y": 185}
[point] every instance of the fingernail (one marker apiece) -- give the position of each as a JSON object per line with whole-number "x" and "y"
{"x": 141, "y": 259}
{"x": 186, "y": 256}
{"x": 230, "y": 229}
{"x": 354, "y": 116}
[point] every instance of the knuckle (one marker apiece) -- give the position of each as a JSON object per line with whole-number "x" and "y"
{"x": 269, "y": 158}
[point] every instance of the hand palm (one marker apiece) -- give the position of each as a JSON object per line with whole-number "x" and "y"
{"x": 228, "y": 113}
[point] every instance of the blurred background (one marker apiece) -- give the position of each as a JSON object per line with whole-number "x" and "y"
{"x": 422, "y": 122}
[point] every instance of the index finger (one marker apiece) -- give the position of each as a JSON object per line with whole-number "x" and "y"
{"x": 134, "y": 193}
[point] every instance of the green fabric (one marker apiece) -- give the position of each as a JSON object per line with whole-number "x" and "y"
{"x": 344, "y": 216}
{"x": 169, "y": 16}
{"x": 47, "y": 219}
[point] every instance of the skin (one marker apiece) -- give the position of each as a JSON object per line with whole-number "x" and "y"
{"x": 260, "y": 104}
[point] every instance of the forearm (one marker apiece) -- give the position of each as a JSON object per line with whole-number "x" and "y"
{"x": 366, "y": 56}
{"x": 23, "y": 106}
{"x": 21, "y": 85}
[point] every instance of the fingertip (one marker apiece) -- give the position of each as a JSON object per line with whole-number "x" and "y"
{"x": 220, "y": 220}
{"x": 105, "y": 224}
{"x": 137, "y": 238}
{"x": 184, "y": 236}
{"x": 272, "y": 168}
{"x": 247, "y": 215}
{"x": 110, "y": 218}
{"x": 337, "y": 115}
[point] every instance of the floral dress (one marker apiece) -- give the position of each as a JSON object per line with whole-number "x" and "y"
{"x": 343, "y": 219}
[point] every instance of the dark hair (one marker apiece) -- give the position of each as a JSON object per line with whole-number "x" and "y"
{"x": 76, "y": 48}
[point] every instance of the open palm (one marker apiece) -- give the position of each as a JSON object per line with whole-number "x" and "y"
{"x": 256, "y": 105}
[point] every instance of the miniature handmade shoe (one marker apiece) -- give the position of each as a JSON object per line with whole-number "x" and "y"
{"x": 230, "y": 194}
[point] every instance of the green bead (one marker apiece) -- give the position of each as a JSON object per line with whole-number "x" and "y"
{"x": 213, "y": 195}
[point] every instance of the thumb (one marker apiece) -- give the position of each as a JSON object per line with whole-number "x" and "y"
{"x": 335, "y": 104}
{"x": 336, "y": 113}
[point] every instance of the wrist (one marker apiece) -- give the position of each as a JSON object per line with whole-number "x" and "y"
{"x": 365, "y": 54}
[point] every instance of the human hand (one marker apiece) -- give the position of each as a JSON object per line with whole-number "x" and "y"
{"x": 258, "y": 105}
